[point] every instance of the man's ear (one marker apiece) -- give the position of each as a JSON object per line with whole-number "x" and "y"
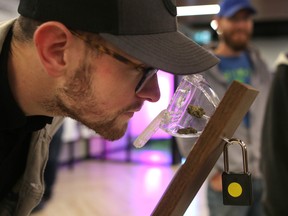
{"x": 218, "y": 25}
{"x": 52, "y": 40}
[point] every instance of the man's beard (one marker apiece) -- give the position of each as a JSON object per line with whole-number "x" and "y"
{"x": 106, "y": 127}
{"x": 76, "y": 99}
{"x": 233, "y": 44}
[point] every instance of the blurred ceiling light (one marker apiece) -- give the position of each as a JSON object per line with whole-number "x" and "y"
{"x": 198, "y": 10}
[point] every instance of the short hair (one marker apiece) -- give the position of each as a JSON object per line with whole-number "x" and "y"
{"x": 24, "y": 29}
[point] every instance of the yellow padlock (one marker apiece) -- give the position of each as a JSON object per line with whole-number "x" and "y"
{"x": 237, "y": 187}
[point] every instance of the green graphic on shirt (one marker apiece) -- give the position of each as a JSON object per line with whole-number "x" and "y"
{"x": 240, "y": 74}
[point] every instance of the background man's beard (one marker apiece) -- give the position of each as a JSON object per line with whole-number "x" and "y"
{"x": 236, "y": 45}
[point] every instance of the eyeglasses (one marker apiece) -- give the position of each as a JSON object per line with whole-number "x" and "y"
{"x": 148, "y": 72}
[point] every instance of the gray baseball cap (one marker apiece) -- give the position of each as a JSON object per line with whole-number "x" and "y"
{"x": 144, "y": 29}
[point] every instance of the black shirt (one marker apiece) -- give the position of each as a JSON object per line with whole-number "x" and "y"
{"x": 15, "y": 129}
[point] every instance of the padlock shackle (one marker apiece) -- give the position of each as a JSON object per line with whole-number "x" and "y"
{"x": 244, "y": 154}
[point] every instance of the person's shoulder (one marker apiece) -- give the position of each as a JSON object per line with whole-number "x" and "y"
{"x": 282, "y": 58}
{"x": 7, "y": 23}
{"x": 253, "y": 49}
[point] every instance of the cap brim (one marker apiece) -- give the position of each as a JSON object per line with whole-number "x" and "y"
{"x": 172, "y": 52}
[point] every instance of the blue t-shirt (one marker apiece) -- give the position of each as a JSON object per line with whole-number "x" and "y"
{"x": 237, "y": 68}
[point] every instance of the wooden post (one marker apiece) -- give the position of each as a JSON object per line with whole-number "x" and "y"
{"x": 206, "y": 151}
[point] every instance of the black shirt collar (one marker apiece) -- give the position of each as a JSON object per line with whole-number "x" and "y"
{"x": 11, "y": 116}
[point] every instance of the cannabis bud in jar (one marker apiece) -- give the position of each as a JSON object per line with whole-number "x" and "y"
{"x": 187, "y": 130}
{"x": 196, "y": 111}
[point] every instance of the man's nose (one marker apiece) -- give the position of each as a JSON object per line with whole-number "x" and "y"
{"x": 150, "y": 91}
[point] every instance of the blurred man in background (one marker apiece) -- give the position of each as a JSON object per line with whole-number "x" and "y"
{"x": 242, "y": 62}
